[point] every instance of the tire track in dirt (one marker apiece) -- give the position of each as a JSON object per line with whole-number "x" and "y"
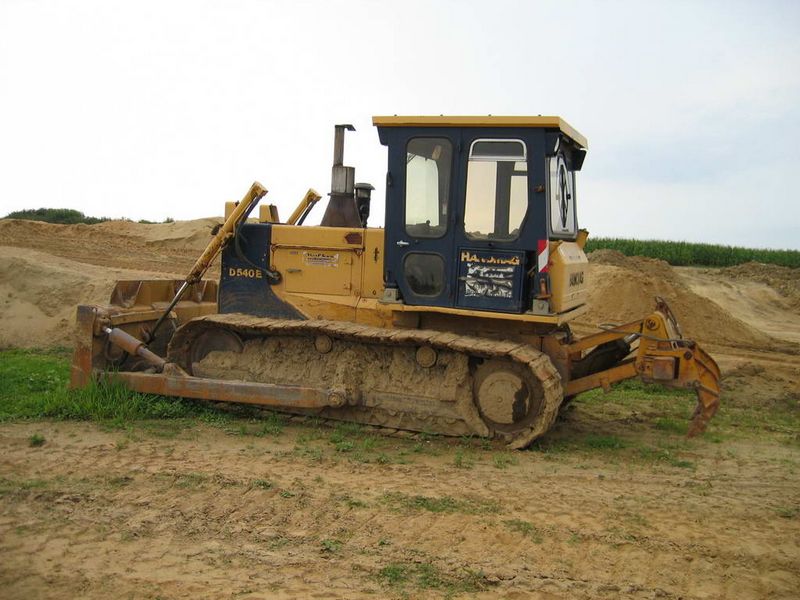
{"x": 185, "y": 517}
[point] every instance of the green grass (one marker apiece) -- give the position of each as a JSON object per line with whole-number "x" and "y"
{"x": 190, "y": 480}
{"x": 669, "y": 411}
{"x": 66, "y": 216}
{"x": 63, "y": 216}
{"x": 788, "y": 512}
{"x": 355, "y": 442}
{"x": 526, "y": 528}
{"x": 10, "y": 486}
{"x": 463, "y": 459}
{"x": 349, "y": 501}
{"x": 262, "y": 484}
{"x": 331, "y": 546}
{"x": 671, "y": 425}
{"x": 443, "y": 504}
{"x": 688, "y": 254}
{"x": 36, "y": 440}
{"x": 605, "y": 442}
{"x": 427, "y": 576}
{"x": 504, "y": 460}
{"x": 33, "y": 385}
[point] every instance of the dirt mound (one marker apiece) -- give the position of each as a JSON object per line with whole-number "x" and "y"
{"x": 162, "y": 247}
{"x": 756, "y": 302}
{"x": 749, "y": 382}
{"x": 46, "y": 270}
{"x": 193, "y": 235}
{"x": 618, "y": 259}
{"x": 39, "y": 293}
{"x": 784, "y": 280}
{"x": 623, "y": 289}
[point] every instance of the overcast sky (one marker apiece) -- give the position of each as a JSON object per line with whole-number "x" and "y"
{"x": 165, "y": 109}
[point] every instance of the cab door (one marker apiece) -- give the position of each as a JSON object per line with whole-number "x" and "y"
{"x": 489, "y": 242}
{"x": 424, "y": 240}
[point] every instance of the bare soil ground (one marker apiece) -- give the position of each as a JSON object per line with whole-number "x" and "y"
{"x": 98, "y": 514}
{"x": 613, "y": 504}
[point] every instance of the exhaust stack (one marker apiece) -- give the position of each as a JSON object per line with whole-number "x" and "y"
{"x": 342, "y": 210}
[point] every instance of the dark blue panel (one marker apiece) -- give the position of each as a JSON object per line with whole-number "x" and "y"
{"x": 244, "y": 286}
{"x": 490, "y": 279}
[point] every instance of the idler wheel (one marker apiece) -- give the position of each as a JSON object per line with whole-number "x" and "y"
{"x": 213, "y": 340}
{"x": 507, "y": 394}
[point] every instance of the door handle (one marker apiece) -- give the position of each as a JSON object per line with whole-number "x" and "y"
{"x": 403, "y": 243}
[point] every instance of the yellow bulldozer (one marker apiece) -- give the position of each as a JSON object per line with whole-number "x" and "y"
{"x": 452, "y": 319}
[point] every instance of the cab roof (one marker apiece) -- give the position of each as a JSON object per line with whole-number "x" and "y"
{"x": 483, "y": 121}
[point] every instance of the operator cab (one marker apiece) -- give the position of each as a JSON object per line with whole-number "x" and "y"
{"x": 473, "y": 205}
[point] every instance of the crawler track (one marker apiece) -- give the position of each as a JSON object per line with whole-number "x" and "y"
{"x": 378, "y": 374}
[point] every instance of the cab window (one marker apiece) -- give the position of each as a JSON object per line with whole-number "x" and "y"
{"x": 497, "y": 190}
{"x": 428, "y": 166}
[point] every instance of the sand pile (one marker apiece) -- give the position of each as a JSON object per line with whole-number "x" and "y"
{"x": 748, "y": 382}
{"x": 181, "y": 235}
{"x": 623, "y": 289}
{"x": 39, "y": 293}
{"x": 163, "y": 247}
{"x": 784, "y": 280}
{"x": 46, "y": 270}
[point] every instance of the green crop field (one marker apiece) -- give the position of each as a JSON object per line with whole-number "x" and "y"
{"x": 688, "y": 254}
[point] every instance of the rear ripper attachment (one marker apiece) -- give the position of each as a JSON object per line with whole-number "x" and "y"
{"x": 663, "y": 356}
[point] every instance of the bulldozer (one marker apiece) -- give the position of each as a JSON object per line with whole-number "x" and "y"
{"x": 454, "y": 318}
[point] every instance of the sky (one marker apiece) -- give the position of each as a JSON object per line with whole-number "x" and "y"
{"x": 149, "y": 110}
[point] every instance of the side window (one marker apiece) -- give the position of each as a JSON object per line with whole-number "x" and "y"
{"x": 424, "y": 273}
{"x": 497, "y": 190}
{"x": 562, "y": 198}
{"x": 428, "y": 165}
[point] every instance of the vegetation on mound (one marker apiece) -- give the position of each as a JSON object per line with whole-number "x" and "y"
{"x": 61, "y": 216}
{"x": 683, "y": 254}
{"x": 67, "y": 216}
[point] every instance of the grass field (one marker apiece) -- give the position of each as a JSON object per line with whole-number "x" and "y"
{"x": 687, "y": 254}
{"x": 33, "y": 386}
